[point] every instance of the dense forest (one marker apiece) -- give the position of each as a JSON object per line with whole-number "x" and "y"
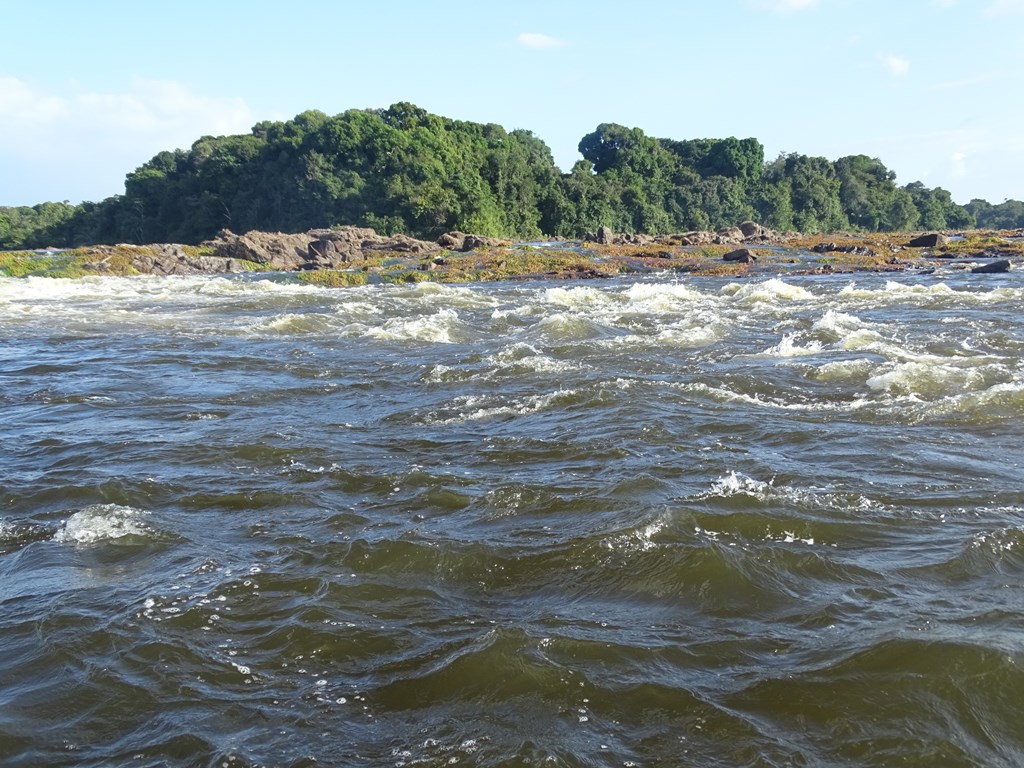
{"x": 402, "y": 169}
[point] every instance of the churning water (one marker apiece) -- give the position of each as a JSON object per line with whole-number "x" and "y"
{"x": 774, "y": 522}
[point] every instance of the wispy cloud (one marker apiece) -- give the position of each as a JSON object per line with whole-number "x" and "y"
{"x": 98, "y": 136}
{"x": 162, "y": 107}
{"x": 1004, "y": 7}
{"x": 787, "y": 6}
{"x": 537, "y": 40}
{"x": 897, "y": 65}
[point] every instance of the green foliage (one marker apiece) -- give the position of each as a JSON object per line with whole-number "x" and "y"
{"x": 402, "y": 169}
{"x": 937, "y": 209}
{"x": 1005, "y": 215}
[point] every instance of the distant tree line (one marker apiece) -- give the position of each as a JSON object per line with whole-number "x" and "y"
{"x": 402, "y": 169}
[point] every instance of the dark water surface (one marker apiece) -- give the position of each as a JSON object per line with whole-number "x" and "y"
{"x": 696, "y": 523}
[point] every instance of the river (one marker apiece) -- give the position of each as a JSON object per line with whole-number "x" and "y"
{"x": 775, "y": 521}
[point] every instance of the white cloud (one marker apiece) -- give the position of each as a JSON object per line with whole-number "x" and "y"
{"x": 897, "y": 65}
{"x": 788, "y": 6}
{"x": 91, "y": 139}
{"x": 539, "y": 41}
{"x": 1003, "y": 7}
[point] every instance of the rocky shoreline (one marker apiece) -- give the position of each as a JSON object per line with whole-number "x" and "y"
{"x": 359, "y": 255}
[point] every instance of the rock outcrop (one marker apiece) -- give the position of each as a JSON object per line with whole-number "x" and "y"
{"x": 316, "y": 249}
{"x": 274, "y": 249}
{"x": 157, "y": 259}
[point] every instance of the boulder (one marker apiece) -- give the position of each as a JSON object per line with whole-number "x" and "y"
{"x": 695, "y": 237}
{"x": 857, "y": 250}
{"x": 931, "y": 240}
{"x": 743, "y": 255}
{"x": 461, "y": 241}
{"x": 994, "y": 267}
{"x": 274, "y": 249}
{"x": 751, "y": 229}
{"x": 728, "y": 236}
{"x": 605, "y": 235}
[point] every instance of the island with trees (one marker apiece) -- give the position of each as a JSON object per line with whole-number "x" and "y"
{"x": 404, "y": 171}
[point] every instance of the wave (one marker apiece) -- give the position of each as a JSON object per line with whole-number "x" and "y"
{"x": 105, "y": 522}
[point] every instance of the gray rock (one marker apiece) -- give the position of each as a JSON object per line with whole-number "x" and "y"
{"x": 995, "y": 267}
{"x": 742, "y": 255}
{"x": 932, "y": 240}
{"x": 605, "y": 235}
{"x": 751, "y": 229}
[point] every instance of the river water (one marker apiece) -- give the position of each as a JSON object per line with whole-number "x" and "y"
{"x": 667, "y": 522}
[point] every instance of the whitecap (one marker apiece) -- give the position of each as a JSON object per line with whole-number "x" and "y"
{"x": 789, "y": 347}
{"x": 661, "y": 297}
{"x": 931, "y": 378}
{"x": 773, "y": 290}
{"x": 440, "y": 328}
{"x": 580, "y": 297}
{"x": 103, "y": 522}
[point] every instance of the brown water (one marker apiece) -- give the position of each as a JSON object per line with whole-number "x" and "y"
{"x": 668, "y": 523}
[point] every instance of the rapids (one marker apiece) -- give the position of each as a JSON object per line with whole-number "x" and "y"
{"x": 666, "y": 522}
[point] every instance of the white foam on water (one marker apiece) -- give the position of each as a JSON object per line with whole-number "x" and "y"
{"x": 567, "y": 327}
{"x": 862, "y": 338}
{"x": 641, "y": 539}
{"x": 789, "y": 347}
{"x": 292, "y": 323}
{"x": 932, "y": 378}
{"x": 521, "y": 357}
{"x": 478, "y": 407}
{"x": 739, "y": 484}
{"x": 581, "y": 297}
{"x": 774, "y": 290}
{"x": 849, "y": 331}
{"x": 846, "y": 371}
{"x": 725, "y": 395}
{"x": 996, "y": 403}
{"x": 927, "y": 294}
{"x": 1000, "y": 541}
{"x": 523, "y": 311}
{"x": 103, "y": 522}
{"x": 446, "y": 295}
{"x": 442, "y": 327}
{"x": 661, "y": 297}
{"x": 735, "y": 483}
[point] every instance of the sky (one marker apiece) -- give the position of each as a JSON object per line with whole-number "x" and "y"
{"x": 91, "y": 90}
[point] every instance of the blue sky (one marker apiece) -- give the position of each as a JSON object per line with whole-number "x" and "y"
{"x": 89, "y": 91}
